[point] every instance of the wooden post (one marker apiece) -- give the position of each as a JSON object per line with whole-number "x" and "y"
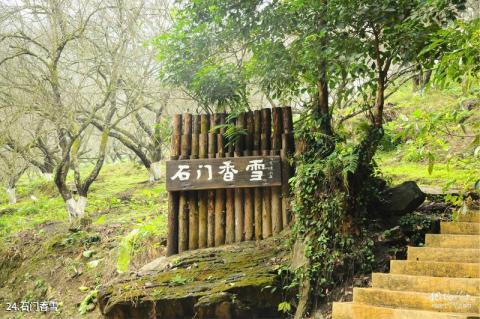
{"x": 172, "y": 238}
{"x": 249, "y": 192}
{"x": 183, "y": 202}
{"x": 203, "y": 195}
{"x": 212, "y": 151}
{"x": 193, "y": 195}
{"x": 230, "y": 216}
{"x": 265, "y": 146}
{"x": 229, "y": 206}
{"x": 258, "y": 193}
{"x": 288, "y": 148}
{"x": 277, "y": 225}
{"x": 220, "y": 193}
{"x": 239, "y": 217}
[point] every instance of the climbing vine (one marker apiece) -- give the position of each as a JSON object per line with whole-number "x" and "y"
{"x": 329, "y": 221}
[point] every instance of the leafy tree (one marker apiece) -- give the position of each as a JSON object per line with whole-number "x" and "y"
{"x": 334, "y": 59}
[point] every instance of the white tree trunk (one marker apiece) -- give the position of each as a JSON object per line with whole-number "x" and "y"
{"x": 12, "y": 196}
{"x": 155, "y": 171}
{"x": 76, "y": 208}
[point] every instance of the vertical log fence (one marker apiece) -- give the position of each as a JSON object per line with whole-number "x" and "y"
{"x": 225, "y": 212}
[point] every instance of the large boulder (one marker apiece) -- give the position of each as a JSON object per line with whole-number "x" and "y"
{"x": 401, "y": 199}
{"x": 229, "y": 282}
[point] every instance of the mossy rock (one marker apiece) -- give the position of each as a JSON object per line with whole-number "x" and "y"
{"x": 234, "y": 281}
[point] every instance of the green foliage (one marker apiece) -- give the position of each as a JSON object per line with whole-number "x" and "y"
{"x": 115, "y": 182}
{"x": 435, "y": 131}
{"x": 335, "y": 240}
{"x": 416, "y": 225}
{"x": 88, "y": 303}
{"x": 125, "y": 251}
{"x": 132, "y": 243}
{"x": 284, "y": 307}
{"x": 186, "y": 63}
{"x": 458, "y": 49}
{"x": 178, "y": 280}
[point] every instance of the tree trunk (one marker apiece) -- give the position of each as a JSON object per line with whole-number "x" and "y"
{"x": 426, "y": 79}
{"x": 76, "y": 208}
{"x": 415, "y": 83}
{"x": 12, "y": 197}
{"x": 155, "y": 171}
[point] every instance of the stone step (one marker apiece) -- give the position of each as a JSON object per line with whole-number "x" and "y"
{"x": 461, "y": 228}
{"x": 452, "y": 241}
{"x": 445, "y": 285}
{"x": 464, "y": 255}
{"x": 417, "y": 300}
{"x": 435, "y": 269}
{"x": 344, "y": 310}
{"x": 469, "y": 217}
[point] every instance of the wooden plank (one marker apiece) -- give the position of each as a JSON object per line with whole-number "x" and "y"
{"x": 203, "y": 195}
{"x": 173, "y": 197}
{"x": 227, "y": 172}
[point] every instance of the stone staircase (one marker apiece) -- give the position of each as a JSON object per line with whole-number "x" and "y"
{"x": 438, "y": 281}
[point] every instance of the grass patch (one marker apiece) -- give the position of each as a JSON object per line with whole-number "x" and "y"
{"x": 121, "y": 194}
{"x": 417, "y": 145}
{"x": 443, "y": 175}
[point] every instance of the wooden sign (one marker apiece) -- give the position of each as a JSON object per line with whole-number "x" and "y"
{"x": 226, "y": 172}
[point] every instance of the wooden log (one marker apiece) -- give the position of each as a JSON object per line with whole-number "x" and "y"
{"x": 277, "y": 224}
{"x": 277, "y": 129}
{"x": 203, "y": 195}
{"x": 195, "y": 136}
{"x": 183, "y": 201}
{"x": 183, "y": 222}
{"x": 288, "y": 130}
{"x": 230, "y": 205}
{"x": 212, "y": 151}
{"x": 220, "y": 193}
{"x": 249, "y": 192}
{"x": 287, "y": 119}
{"x": 211, "y": 219}
{"x": 173, "y": 197}
{"x": 288, "y": 149}
{"x": 258, "y": 193}
{"x": 230, "y": 216}
{"x": 286, "y": 174}
{"x": 193, "y": 195}
{"x": 239, "y": 213}
{"x": 266, "y": 197}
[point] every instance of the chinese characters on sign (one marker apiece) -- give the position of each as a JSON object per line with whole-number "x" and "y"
{"x": 229, "y": 172}
{"x": 32, "y": 306}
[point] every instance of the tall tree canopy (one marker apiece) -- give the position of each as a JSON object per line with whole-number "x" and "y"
{"x": 334, "y": 59}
